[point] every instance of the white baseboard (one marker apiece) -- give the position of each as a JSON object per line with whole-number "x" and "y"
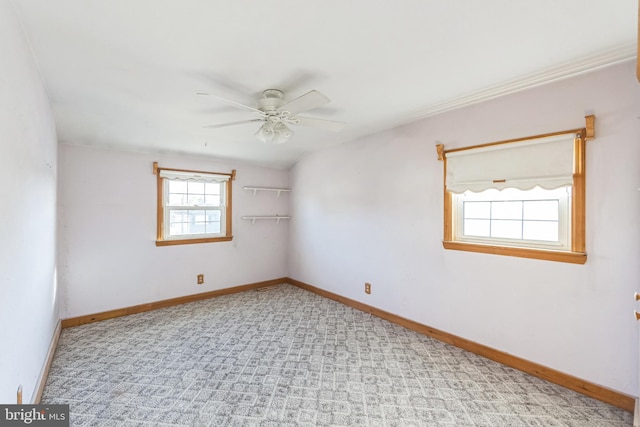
{"x": 44, "y": 372}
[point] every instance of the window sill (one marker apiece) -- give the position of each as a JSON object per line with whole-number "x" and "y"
{"x": 191, "y": 241}
{"x": 548, "y": 255}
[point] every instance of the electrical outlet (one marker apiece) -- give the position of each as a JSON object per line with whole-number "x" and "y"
{"x": 367, "y": 288}
{"x": 200, "y": 279}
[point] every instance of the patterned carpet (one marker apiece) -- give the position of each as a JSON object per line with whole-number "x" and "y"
{"x": 287, "y": 357}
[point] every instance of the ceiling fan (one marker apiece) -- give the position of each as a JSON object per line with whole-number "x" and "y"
{"x": 276, "y": 113}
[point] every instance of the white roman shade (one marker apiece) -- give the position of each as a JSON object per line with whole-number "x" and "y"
{"x": 193, "y": 176}
{"x": 545, "y": 162}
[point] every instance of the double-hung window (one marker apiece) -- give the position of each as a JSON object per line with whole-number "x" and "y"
{"x": 193, "y": 206}
{"x": 523, "y": 197}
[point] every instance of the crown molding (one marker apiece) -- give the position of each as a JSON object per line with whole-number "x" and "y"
{"x": 586, "y": 64}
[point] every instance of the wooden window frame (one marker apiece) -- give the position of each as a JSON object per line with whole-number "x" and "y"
{"x": 577, "y": 254}
{"x": 160, "y": 240}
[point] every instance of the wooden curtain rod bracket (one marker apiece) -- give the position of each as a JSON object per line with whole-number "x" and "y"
{"x": 591, "y": 127}
{"x": 155, "y": 168}
{"x": 440, "y": 151}
{"x": 233, "y": 175}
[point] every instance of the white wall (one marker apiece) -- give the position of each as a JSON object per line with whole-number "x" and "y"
{"x": 108, "y": 257}
{"x": 28, "y": 299}
{"x": 372, "y": 211}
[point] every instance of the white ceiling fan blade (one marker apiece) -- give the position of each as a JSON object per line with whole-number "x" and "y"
{"x": 230, "y": 102}
{"x": 306, "y": 102}
{"x": 221, "y": 125}
{"x": 318, "y": 123}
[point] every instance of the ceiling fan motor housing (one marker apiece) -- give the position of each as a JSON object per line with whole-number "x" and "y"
{"x": 271, "y": 101}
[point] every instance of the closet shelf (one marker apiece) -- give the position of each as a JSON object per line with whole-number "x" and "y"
{"x": 256, "y": 189}
{"x": 256, "y": 217}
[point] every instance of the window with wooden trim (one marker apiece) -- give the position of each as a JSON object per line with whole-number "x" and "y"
{"x": 193, "y": 206}
{"x": 523, "y": 197}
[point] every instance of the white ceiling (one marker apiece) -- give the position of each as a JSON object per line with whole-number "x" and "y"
{"x": 124, "y": 73}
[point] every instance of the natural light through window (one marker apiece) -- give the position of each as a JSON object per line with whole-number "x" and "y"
{"x": 537, "y": 217}
{"x": 193, "y": 206}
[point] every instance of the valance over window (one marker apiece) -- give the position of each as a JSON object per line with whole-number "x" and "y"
{"x": 546, "y": 162}
{"x": 193, "y": 176}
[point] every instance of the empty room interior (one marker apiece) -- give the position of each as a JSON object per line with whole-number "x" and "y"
{"x": 322, "y": 212}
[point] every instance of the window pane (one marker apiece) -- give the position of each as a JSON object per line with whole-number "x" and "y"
{"x": 541, "y": 230}
{"x": 178, "y": 216}
{"x": 175, "y": 229}
{"x": 212, "y": 188}
{"x": 477, "y": 227}
{"x": 196, "y": 199}
{"x": 541, "y": 209}
{"x": 195, "y": 187}
{"x": 214, "y": 216}
{"x": 477, "y": 210}
{"x": 533, "y": 218}
{"x": 195, "y": 224}
{"x": 177, "y": 199}
{"x": 193, "y": 194}
{"x": 506, "y": 229}
{"x": 194, "y": 228}
{"x": 506, "y": 210}
{"x": 177, "y": 187}
{"x": 194, "y": 221}
{"x": 211, "y": 200}
{"x": 213, "y": 227}
{"x": 197, "y": 216}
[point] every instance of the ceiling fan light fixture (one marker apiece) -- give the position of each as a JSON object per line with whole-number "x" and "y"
{"x": 265, "y": 133}
{"x": 282, "y": 133}
{"x": 277, "y": 133}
